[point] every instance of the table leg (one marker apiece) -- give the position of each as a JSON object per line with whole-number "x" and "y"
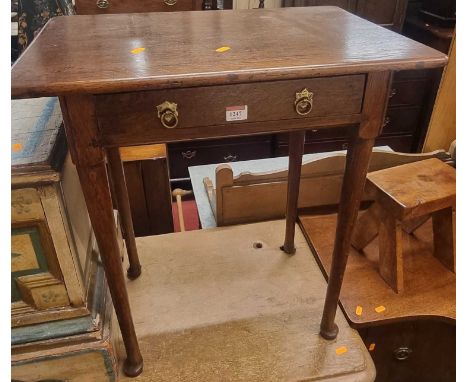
{"x": 357, "y": 162}
{"x": 123, "y": 205}
{"x": 296, "y": 150}
{"x": 81, "y": 129}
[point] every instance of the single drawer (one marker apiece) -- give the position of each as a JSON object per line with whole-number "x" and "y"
{"x": 400, "y": 143}
{"x": 401, "y": 120}
{"x": 181, "y": 157}
{"x": 166, "y": 114}
{"x": 408, "y": 92}
{"x": 91, "y": 7}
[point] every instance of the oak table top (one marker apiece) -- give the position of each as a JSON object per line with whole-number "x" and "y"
{"x": 126, "y": 52}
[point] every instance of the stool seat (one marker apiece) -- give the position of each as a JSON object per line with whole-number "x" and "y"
{"x": 415, "y": 189}
{"x": 405, "y": 196}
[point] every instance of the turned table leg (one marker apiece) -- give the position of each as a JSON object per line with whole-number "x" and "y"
{"x": 357, "y": 162}
{"x": 296, "y": 150}
{"x": 81, "y": 129}
{"x": 123, "y": 206}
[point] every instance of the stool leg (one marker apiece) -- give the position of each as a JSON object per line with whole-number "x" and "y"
{"x": 367, "y": 227}
{"x": 444, "y": 237}
{"x": 391, "y": 253}
{"x": 296, "y": 150}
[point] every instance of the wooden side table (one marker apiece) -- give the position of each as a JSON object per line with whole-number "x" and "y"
{"x": 130, "y": 79}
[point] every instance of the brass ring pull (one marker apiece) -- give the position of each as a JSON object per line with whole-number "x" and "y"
{"x": 303, "y": 103}
{"x": 103, "y": 4}
{"x": 402, "y": 353}
{"x": 168, "y": 115}
{"x": 170, "y": 2}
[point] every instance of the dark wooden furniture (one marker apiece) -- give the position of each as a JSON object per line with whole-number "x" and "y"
{"x": 181, "y": 88}
{"x": 410, "y": 335}
{"x": 92, "y": 7}
{"x": 388, "y": 13}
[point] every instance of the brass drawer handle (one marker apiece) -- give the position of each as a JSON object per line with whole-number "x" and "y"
{"x": 402, "y": 353}
{"x": 168, "y": 115}
{"x": 230, "y": 158}
{"x": 170, "y": 2}
{"x": 189, "y": 154}
{"x": 303, "y": 102}
{"x": 103, "y": 4}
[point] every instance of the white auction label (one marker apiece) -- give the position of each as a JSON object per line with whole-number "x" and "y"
{"x": 236, "y": 113}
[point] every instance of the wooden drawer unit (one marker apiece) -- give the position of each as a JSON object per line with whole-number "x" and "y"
{"x": 184, "y": 155}
{"x": 401, "y": 120}
{"x": 420, "y": 350}
{"x": 202, "y": 111}
{"x": 90, "y": 7}
{"x": 411, "y": 92}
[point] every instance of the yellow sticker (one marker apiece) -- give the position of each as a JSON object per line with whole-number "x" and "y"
{"x": 380, "y": 309}
{"x": 16, "y": 147}
{"x": 341, "y": 350}
{"x": 358, "y": 310}
{"x": 223, "y": 49}
{"x": 137, "y": 50}
{"x": 371, "y": 346}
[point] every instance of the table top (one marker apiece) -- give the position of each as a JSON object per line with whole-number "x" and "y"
{"x": 38, "y": 144}
{"x": 127, "y": 52}
{"x": 415, "y": 189}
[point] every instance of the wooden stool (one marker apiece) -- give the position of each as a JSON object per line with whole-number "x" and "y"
{"x": 404, "y": 197}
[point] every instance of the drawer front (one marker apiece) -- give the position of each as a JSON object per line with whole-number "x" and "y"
{"x": 408, "y": 93}
{"x": 314, "y": 135}
{"x": 90, "y": 7}
{"x": 400, "y": 143}
{"x": 129, "y": 116}
{"x": 412, "y": 351}
{"x": 401, "y": 120}
{"x": 181, "y": 157}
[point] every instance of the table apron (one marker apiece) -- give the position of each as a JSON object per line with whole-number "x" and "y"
{"x": 204, "y": 112}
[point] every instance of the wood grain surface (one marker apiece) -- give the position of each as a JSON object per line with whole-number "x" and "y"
{"x": 429, "y": 286}
{"x": 415, "y": 189}
{"x": 96, "y": 54}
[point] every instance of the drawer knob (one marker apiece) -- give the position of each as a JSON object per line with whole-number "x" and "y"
{"x": 103, "y": 4}
{"x": 170, "y": 2}
{"x": 168, "y": 115}
{"x": 303, "y": 103}
{"x": 402, "y": 353}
